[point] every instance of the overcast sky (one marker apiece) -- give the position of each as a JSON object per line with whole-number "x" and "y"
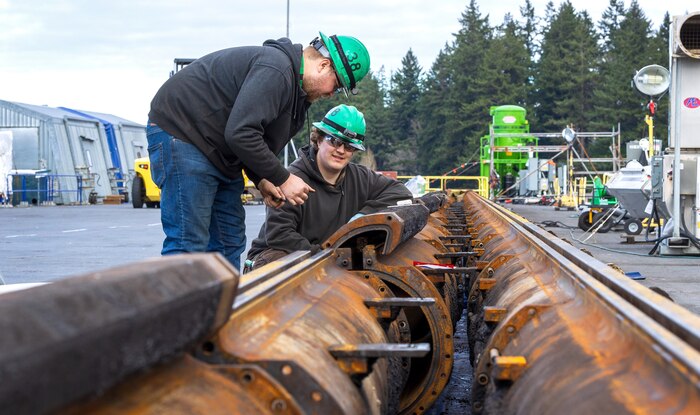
{"x": 111, "y": 56}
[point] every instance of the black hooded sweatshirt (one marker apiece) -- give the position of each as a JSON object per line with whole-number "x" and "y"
{"x": 306, "y": 227}
{"x": 239, "y": 106}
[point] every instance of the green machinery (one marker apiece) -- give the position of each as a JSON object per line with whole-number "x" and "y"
{"x": 509, "y": 134}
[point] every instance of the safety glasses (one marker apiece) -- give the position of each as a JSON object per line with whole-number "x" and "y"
{"x": 337, "y": 142}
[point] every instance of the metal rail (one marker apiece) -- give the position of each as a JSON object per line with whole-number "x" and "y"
{"x": 671, "y": 316}
{"x": 547, "y": 320}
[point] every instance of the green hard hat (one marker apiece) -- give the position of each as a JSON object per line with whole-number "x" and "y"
{"x": 346, "y": 123}
{"x": 350, "y": 59}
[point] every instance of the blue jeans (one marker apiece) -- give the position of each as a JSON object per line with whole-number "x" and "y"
{"x": 200, "y": 208}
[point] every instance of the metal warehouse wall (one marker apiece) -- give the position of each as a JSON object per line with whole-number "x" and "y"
{"x": 67, "y": 143}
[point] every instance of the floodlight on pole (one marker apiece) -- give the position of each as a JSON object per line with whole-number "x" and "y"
{"x": 652, "y": 81}
{"x": 569, "y": 134}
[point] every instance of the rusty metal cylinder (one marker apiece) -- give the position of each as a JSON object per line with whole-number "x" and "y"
{"x": 539, "y": 325}
{"x": 292, "y": 336}
{"x": 358, "y": 328}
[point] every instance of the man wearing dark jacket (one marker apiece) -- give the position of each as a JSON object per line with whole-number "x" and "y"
{"x": 344, "y": 190}
{"x": 231, "y": 110}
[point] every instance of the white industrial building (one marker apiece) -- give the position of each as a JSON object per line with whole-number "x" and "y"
{"x": 65, "y": 156}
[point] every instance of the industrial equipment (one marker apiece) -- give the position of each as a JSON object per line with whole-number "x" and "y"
{"x": 681, "y": 195}
{"x": 143, "y": 189}
{"x": 505, "y": 152}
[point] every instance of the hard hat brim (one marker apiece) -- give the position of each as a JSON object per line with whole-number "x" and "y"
{"x": 337, "y": 134}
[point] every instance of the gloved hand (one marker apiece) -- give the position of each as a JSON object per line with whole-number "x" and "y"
{"x": 355, "y": 216}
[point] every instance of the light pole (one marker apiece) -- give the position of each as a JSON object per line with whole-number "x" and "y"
{"x": 653, "y": 82}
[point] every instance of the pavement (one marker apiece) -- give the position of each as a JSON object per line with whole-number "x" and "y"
{"x": 47, "y": 243}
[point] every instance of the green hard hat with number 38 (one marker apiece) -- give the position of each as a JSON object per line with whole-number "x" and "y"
{"x": 350, "y": 59}
{"x": 345, "y": 122}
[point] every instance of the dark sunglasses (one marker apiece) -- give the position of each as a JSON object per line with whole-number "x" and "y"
{"x": 337, "y": 142}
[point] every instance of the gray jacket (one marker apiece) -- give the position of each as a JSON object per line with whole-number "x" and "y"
{"x": 239, "y": 106}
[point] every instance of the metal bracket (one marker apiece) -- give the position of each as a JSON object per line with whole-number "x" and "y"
{"x": 387, "y": 309}
{"x": 494, "y": 315}
{"x": 307, "y": 392}
{"x": 490, "y": 269}
{"x": 357, "y": 359}
{"x": 343, "y": 257}
{"x": 501, "y": 369}
{"x": 506, "y": 368}
{"x": 463, "y": 238}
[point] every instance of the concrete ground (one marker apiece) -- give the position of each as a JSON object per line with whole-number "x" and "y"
{"x": 679, "y": 276}
{"x": 46, "y": 243}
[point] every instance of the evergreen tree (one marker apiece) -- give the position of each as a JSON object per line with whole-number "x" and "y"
{"x": 567, "y": 71}
{"x": 549, "y": 13}
{"x": 610, "y": 22}
{"x": 528, "y": 29}
{"x": 660, "y": 57}
{"x": 616, "y": 101}
{"x": 530, "y": 34}
{"x": 503, "y": 78}
{"x": 464, "y": 127}
{"x": 404, "y": 94}
{"x": 434, "y": 109}
{"x": 503, "y": 73}
{"x": 371, "y": 101}
{"x": 660, "y": 42}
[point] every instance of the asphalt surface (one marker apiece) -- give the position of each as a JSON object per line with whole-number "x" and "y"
{"x": 46, "y": 243}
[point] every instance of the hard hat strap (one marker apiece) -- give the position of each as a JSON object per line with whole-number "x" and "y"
{"x": 320, "y": 47}
{"x": 344, "y": 60}
{"x": 350, "y": 134}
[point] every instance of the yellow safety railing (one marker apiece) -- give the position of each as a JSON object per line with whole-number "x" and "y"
{"x": 439, "y": 183}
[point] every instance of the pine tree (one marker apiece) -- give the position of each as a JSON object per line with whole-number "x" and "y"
{"x": 530, "y": 34}
{"x": 567, "y": 71}
{"x": 610, "y": 22}
{"x": 549, "y": 13}
{"x": 660, "y": 57}
{"x": 503, "y": 73}
{"x": 404, "y": 94}
{"x": 629, "y": 49}
{"x": 434, "y": 109}
{"x": 371, "y": 101}
{"x": 466, "y": 122}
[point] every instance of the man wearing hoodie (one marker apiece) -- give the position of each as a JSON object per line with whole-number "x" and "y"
{"x": 231, "y": 110}
{"x": 344, "y": 190}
